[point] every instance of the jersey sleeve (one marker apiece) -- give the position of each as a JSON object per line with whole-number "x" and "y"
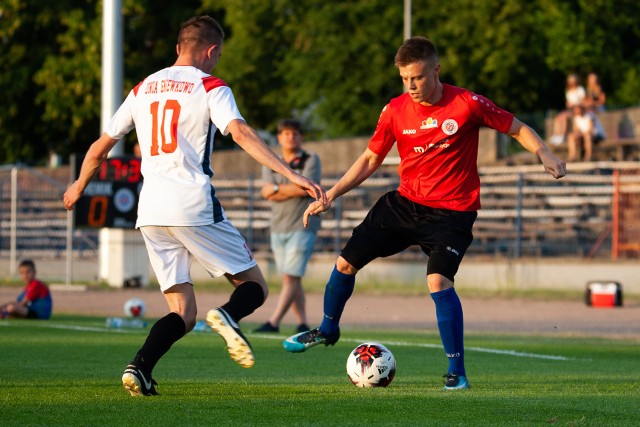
{"x": 223, "y": 108}
{"x": 486, "y": 113}
{"x": 122, "y": 122}
{"x": 383, "y": 138}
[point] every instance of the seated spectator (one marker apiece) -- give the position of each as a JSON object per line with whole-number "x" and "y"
{"x": 34, "y": 302}
{"x": 595, "y": 97}
{"x": 574, "y": 95}
{"x": 582, "y": 134}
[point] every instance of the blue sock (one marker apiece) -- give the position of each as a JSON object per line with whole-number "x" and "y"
{"x": 338, "y": 291}
{"x": 451, "y": 326}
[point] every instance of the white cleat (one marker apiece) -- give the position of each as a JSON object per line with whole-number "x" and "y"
{"x": 237, "y": 345}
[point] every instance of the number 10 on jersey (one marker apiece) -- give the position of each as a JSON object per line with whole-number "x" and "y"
{"x": 168, "y": 130}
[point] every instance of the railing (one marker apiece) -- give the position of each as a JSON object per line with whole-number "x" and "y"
{"x": 525, "y": 212}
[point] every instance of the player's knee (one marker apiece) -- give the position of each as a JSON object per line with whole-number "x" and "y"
{"x": 437, "y": 282}
{"x": 343, "y": 266}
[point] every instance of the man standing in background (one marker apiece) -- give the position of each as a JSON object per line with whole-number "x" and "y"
{"x": 292, "y": 244}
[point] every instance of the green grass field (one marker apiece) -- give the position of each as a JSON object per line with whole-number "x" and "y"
{"x": 67, "y": 372}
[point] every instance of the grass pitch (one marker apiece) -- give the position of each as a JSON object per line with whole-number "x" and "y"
{"x": 67, "y": 372}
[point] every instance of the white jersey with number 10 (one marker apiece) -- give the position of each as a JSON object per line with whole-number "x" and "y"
{"x": 176, "y": 112}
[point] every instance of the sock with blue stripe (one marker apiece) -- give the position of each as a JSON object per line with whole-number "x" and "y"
{"x": 338, "y": 291}
{"x": 451, "y": 327}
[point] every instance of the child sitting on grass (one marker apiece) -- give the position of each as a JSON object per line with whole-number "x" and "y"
{"x": 34, "y": 302}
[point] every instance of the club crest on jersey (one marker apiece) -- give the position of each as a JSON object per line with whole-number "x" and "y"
{"x": 449, "y": 126}
{"x": 430, "y": 123}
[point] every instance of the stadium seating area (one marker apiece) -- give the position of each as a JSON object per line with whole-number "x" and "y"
{"x": 525, "y": 212}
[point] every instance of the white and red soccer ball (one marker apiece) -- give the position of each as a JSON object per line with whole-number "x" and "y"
{"x": 134, "y": 307}
{"x": 371, "y": 364}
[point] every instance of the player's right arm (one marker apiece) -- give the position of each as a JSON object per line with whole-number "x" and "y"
{"x": 91, "y": 164}
{"x": 360, "y": 170}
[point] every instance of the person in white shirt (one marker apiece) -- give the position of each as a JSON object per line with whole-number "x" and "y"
{"x": 586, "y": 131}
{"x": 176, "y": 111}
{"x": 574, "y": 96}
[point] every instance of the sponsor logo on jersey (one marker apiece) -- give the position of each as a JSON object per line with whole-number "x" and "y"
{"x": 444, "y": 143}
{"x": 449, "y": 126}
{"x": 408, "y": 131}
{"x": 429, "y": 123}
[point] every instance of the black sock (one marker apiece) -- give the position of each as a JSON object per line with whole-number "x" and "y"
{"x": 244, "y": 300}
{"x": 161, "y": 337}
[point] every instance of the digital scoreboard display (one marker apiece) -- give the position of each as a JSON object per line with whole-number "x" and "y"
{"x": 111, "y": 198}
{"x": 119, "y": 169}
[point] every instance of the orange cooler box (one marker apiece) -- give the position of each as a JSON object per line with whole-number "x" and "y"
{"x": 604, "y": 294}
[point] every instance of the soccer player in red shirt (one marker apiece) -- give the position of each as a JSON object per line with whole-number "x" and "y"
{"x": 34, "y": 302}
{"x": 436, "y": 129}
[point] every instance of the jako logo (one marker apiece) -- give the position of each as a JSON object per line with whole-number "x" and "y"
{"x": 408, "y": 131}
{"x": 450, "y": 249}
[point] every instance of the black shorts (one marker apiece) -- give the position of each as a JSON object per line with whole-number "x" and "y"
{"x": 395, "y": 223}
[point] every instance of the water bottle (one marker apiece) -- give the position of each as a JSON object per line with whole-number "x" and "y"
{"x": 114, "y": 322}
{"x": 202, "y": 326}
{"x": 119, "y": 323}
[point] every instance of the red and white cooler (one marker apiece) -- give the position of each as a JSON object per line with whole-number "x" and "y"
{"x": 604, "y": 294}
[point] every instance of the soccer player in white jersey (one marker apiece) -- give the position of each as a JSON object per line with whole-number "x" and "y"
{"x": 176, "y": 112}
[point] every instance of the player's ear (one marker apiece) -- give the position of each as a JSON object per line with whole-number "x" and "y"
{"x": 211, "y": 50}
{"x": 178, "y": 49}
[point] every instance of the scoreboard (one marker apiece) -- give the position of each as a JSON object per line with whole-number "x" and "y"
{"x": 111, "y": 198}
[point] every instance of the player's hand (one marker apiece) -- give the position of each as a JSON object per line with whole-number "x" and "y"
{"x": 315, "y": 208}
{"x": 552, "y": 165}
{"x": 311, "y": 187}
{"x": 71, "y": 196}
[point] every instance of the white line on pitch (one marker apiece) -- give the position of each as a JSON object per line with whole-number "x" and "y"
{"x": 354, "y": 340}
{"x": 427, "y": 345}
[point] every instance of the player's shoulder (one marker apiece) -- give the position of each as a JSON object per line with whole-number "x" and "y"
{"x": 212, "y": 82}
{"x": 399, "y": 102}
{"x": 451, "y": 91}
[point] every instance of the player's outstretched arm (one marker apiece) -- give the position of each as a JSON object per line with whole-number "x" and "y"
{"x": 96, "y": 154}
{"x": 360, "y": 170}
{"x": 250, "y": 141}
{"x": 530, "y": 140}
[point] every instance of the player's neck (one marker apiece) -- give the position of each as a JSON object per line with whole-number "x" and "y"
{"x": 185, "y": 60}
{"x": 435, "y": 96}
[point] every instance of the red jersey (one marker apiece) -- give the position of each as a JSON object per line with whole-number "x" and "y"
{"x": 438, "y": 145}
{"x": 35, "y": 290}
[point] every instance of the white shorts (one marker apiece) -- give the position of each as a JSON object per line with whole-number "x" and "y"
{"x": 219, "y": 248}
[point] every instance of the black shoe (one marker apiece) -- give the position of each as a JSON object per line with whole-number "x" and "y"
{"x": 137, "y": 383}
{"x": 267, "y": 327}
{"x": 302, "y": 327}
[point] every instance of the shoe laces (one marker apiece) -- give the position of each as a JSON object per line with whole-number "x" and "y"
{"x": 451, "y": 380}
{"x": 311, "y": 336}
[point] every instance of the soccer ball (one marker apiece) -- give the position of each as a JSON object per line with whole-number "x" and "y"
{"x": 371, "y": 365}
{"x": 134, "y": 307}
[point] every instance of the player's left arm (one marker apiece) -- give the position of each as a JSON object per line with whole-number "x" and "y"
{"x": 96, "y": 154}
{"x": 529, "y": 139}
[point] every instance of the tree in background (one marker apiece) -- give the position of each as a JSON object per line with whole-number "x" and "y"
{"x": 328, "y": 63}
